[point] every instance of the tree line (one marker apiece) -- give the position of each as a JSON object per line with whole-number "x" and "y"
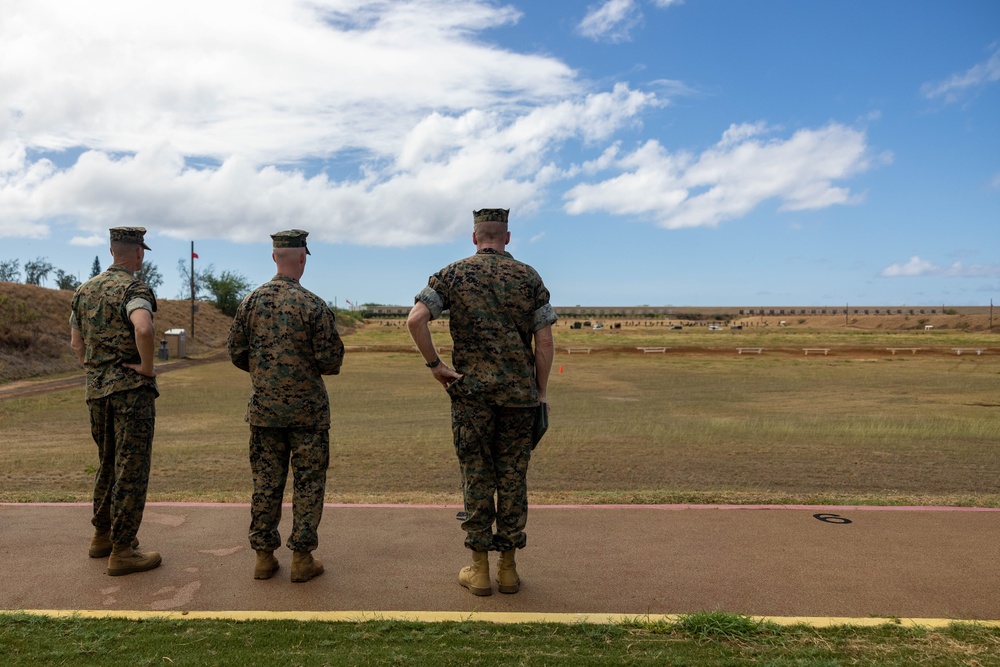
{"x": 225, "y": 289}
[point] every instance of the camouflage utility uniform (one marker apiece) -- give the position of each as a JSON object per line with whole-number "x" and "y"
{"x": 496, "y": 303}
{"x": 286, "y": 338}
{"x": 121, "y": 401}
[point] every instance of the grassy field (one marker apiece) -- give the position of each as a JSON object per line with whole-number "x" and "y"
{"x": 826, "y": 332}
{"x": 699, "y": 639}
{"x": 625, "y": 428}
{"x": 698, "y": 424}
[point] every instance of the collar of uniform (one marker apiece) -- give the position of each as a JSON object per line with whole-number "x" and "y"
{"x": 287, "y": 279}
{"x": 119, "y": 267}
{"x": 492, "y": 251}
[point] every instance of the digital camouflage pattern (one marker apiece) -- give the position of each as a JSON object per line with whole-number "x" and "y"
{"x": 122, "y": 425}
{"x": 100, "y": 310}
{"x": 292, "y": 238}
{"x": 493, "y": 445}
{"x": 490, "y": 215}
{"x": 271, "y": 451}
{"x": 121, "y": 401}
{"x": 134, "y": 235}
{"x": 286, "y": 338}
{"x": 496, "y": 303}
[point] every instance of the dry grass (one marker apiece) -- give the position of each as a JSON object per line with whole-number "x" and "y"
{"x": 34, "y": 333}
{"x": 871, "y": 333}
{"x": 625, "y": 428}
{"x": 778, "y": 428}
{"x": 34, "y": 330}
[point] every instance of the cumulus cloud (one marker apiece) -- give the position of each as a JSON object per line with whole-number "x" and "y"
{"x": 228, "y": 118}
{"x": 365, "y": 121}
{"x": 272, "y": 80}
{"x": 918, "y": 267}
{"x": 741, "y": 171}
{"x": 420, "y": 196}
{"x": 955, "y": 86}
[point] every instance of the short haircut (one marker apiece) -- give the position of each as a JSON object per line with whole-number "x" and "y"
{"x": 491, "y": 231}
{"x": 120, "y": 249}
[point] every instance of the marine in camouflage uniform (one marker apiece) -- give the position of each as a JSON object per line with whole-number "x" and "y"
{"x": 111, "y": 332}
{"x": 286, "y": 338}
{"x": 498, "y": 307}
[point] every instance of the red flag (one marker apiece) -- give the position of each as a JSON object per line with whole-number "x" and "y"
{"x": 194, "y": 255}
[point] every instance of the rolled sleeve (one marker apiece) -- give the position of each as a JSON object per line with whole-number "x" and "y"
{"x": 138, "y": 303}
{"x": 543, "y": 317}
{"x": 430, "y": 298}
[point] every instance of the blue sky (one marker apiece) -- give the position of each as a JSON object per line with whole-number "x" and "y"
{"x": 658, "y": 152}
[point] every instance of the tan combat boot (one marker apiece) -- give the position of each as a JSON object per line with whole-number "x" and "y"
{"x": 507, "y": 579}
{"x": 126, "y": 560}
{"x": 476, "y": 577}
{"x": 100, "y": 545}
{"x": 305, "y": 567}
{"x": 266, "y": 565}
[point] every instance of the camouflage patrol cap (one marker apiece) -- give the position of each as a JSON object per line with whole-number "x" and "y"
{"x": 292, "y": 238}
{"x": 129, "y": 235}
{"x": 490, "y": 215}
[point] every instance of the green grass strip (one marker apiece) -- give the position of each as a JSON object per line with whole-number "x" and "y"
{"x": 704, "y": 638}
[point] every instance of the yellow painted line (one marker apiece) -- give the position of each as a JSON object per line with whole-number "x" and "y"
{"x": 484, "y": 617}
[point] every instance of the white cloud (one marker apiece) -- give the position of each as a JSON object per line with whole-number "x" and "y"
{"x": 405, "y": 101}
{"x": 12, "y": 157}
{"x": 324, "y": 113}
{"x": 739, "y": 133}
{"x": 611, "y": 21}
{"x": 605, "y": 161}
{"x": 995, "y": 182}
{"x": 421, "y": 197}
{"x": 272, "y": 80}
{"x": 89, "y": 241}
{"x": 728, "y": 180}
{"x": 918, "y": 267}
{"x": 952, "y": 88}
{"x": 914, "y": 267}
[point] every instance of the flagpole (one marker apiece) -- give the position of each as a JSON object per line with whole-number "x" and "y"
{"x": 192, "y": 292}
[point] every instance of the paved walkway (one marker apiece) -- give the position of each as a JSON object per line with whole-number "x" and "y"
{"x": 587, "y": 562}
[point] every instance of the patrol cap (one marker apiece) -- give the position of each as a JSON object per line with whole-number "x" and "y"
{"x": 490, "y": 215}
{"x": 132, "y": 235}
{"x": 292, "y": 238}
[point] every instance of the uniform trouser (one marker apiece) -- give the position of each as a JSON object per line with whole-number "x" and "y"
{"x": 493, "y": 445}
{"x": 271, "y": 452}
{"x": 122, "y": 426}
